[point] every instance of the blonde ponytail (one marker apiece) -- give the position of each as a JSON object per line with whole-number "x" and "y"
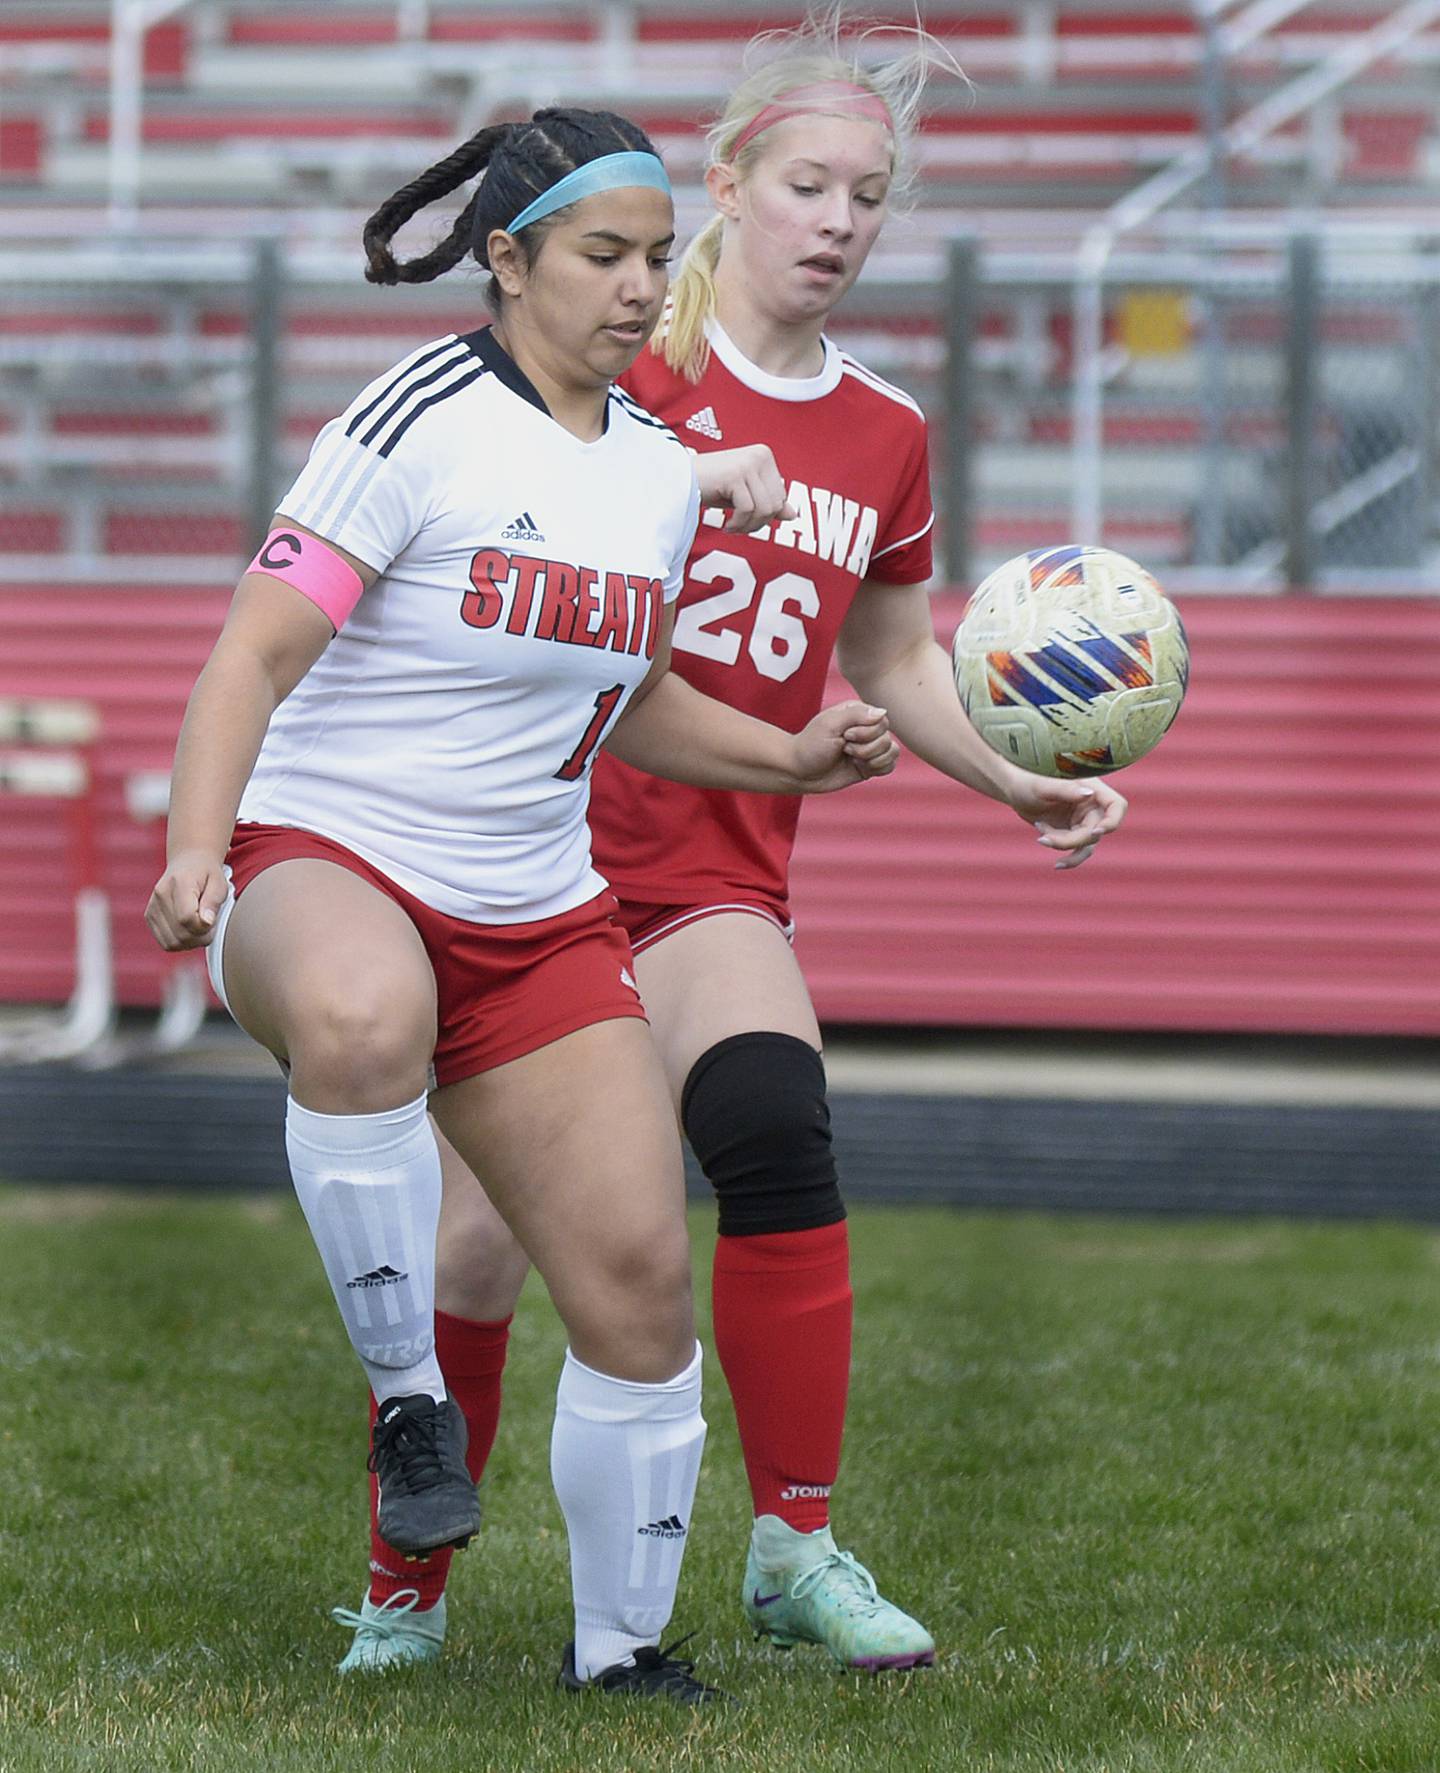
{"x": 692, "y": 302}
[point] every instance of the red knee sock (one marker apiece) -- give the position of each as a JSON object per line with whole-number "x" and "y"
{"x": 472, "y": 1358}
{"x": 782, "y": 1306}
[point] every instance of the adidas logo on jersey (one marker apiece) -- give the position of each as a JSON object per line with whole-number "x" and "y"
{"x": 706, "y": 424}
{"x": 521, "y": 529}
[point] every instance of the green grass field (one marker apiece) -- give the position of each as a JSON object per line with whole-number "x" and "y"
{"x": 1166, "y": 1493}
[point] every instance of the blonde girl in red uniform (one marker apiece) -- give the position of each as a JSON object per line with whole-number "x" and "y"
{"x": 804, "y": 168}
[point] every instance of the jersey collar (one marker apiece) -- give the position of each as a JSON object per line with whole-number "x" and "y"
{"x": 506, "y": 370}
{"x": 760, "y": 381}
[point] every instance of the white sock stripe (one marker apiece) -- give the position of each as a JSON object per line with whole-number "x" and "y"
{"x": 421, "y": 1293}
{"x": 390, "y": 1237}
{"x": 352, "y": 1252}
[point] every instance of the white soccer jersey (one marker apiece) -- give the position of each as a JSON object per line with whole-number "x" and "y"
{"x": 446, "y": 733}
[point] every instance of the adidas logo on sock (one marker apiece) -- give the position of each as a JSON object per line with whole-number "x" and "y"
{"x": 672, "y": 1527}
{"x": 521, "y": 529}
{"x": 706, "y": 424}
{"x": 378, "y": 1277}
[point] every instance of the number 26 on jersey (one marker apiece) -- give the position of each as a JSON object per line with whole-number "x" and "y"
{"x": 778, "y": 635}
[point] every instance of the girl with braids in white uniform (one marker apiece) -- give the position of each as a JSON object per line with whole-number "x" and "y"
{"x": 378, "y": 826}
{"x": 804, "y": 166}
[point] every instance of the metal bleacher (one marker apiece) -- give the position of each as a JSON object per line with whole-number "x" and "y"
{"x": 281, "y": 103}
{"x": 293, "y": 119}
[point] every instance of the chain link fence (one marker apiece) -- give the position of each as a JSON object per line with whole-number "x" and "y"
{"x": 1267, "y": 418}
{"x": 1365, "y": 377}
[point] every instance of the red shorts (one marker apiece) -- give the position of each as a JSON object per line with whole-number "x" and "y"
{"x": 502, "y": 990}
{"x": 647, "y": 924}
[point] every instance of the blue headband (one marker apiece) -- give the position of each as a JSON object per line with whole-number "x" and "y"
{"x": 608, "y": 173}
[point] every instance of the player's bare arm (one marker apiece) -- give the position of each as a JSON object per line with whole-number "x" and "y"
{"x": 670, "y": 729}
{"x": 746, "y": 483}
{"x": 888, "y": 651}
{"x": 271, "y": 638}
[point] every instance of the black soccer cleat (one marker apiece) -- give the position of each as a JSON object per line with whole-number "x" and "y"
{"x": 427, "y": 1497}
{"x": 654, "y": 1674}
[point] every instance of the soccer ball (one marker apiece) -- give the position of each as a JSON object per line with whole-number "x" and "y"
{"x": 1071, "y": 661}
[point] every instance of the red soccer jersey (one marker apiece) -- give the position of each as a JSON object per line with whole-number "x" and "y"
{"x": 757, "y": 619}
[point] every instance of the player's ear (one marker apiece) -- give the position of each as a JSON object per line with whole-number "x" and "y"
{"x": 723, "y": 184}
{"x": 507, "y": 261}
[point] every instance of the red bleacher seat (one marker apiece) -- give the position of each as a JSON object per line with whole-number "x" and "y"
{"x": 40, "y": 26}
{"x": 466, "y": 25}
{"x": 1387, "y": 144}
{"x": 47, "y": 322}
{"x": 133, "y": 422}
{"x": 186, "y": 532}
{"x": 1178, "y": 121}
{"x": 705, "y": 26}
{"x": 207, "y": 126}
{"x": 343, "y": 28}
{"x": 1148, "y": 536}
{"x": 311, "y": 27}
{"x": 1134, "y": 21}
{"x": 21, "y": 144}
{"x": 166, "y": 44}
{"x": 30, "y": 529}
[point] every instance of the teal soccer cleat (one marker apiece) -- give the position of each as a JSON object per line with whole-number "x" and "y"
{"x": 393, "y": 1634}
{"x": 799, "y": 1589}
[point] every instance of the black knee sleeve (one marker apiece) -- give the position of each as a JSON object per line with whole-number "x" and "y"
{"x": 755, "y": 1113}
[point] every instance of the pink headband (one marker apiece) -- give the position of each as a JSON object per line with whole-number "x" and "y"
{"x": 829, "y": 95}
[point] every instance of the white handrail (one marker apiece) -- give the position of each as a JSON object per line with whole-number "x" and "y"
{"x": 1347, "y": 501}
{"x": 129, "y": 21}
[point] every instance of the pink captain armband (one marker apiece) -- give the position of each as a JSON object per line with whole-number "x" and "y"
{"x": 314, "y": 569}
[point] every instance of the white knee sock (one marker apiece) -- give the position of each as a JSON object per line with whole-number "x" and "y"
{"x": 369, "y": 1185}
{"x": 624, "y": 1459}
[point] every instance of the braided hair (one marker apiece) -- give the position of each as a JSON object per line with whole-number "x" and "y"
{"x": 519, "y": 160}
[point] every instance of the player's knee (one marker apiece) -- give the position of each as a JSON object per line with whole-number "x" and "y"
{"x": 479, "y": 1267}
{"x": 653, "y": 1277}
{"x": 364, "y": 1046}
{"x": 648, "y": 1282}
{"x": 755, "y": 1113}
{"x": 633, "y": 1317}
